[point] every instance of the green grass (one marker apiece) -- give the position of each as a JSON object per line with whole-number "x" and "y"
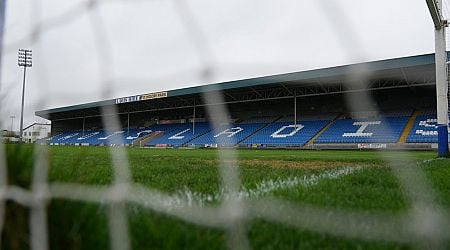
{"x": 78, "y": 225}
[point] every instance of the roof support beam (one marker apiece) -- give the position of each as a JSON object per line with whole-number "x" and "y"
{"x": 288, "y": 90}
{"x": 232, "y": 97}
{"x": 257, "y": 93}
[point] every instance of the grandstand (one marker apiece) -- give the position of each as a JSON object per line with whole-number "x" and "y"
{"x": 296, "y": 110}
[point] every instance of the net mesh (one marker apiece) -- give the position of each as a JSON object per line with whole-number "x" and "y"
{"x": 424, "y": 224}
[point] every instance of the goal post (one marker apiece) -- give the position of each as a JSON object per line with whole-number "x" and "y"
{"x": 435, "y": 7}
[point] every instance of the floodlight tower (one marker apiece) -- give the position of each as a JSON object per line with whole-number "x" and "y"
{"x": 435, "y": 8}
{"x": 24, "y": 61}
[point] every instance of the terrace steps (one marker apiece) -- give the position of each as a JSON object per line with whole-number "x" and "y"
{"x": 311, "y": 141}
{"x": 197, "y": 136}
{"x": 256, "y": 131}
{"x": 140, "y": 142}
{"x": 408, "y": 127}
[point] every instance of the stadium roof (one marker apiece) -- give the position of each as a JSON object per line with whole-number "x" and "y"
{"x": 384, "y": 74}
{"x": 36, "y": 123}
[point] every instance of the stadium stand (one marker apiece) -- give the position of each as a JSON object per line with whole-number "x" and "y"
{"x": 372, "y": 130}
{"x": 60, "y": 138}
{"x": 310, "y": 117}
{"x": 261, "y": 110}
{"x": 181, "y": 135}
{"x": 99, "y": 137}
{"x": 270, "y": 131}
{"x": 261, "y": 119}
{"x": 285, "y": 134}
{"x": 424, "y": 129}
{"x": 228, "y": 135}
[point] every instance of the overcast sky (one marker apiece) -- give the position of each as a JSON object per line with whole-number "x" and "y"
{"x": 139, "y": 46}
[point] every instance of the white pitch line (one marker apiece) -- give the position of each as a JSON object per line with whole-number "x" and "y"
{"x": 419, "y": 163}
{"x": 181, "y": 197}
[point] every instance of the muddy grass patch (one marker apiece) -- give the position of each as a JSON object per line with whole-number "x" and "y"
{"x": 263, "y": 163}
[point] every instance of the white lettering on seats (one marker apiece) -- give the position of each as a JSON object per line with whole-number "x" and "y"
{"x": 428, "y": 123}
{"x": 277, "y": 134}
{"x": 68, "y": 136}
{"x": 360, "y": 131}
{"x": 179, "y": 136}
{"x": 139, "y": 134}
{"x": 427, "y": 132}
{"x": 111, "y": 135}
{"x": 84, "y": 137}
{"x": 230, "y": 132}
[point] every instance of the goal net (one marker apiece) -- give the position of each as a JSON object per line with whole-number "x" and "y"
{"x": 108, "y": 43}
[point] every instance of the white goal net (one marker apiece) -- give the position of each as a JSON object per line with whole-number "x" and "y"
{"x": 424, "y": 224}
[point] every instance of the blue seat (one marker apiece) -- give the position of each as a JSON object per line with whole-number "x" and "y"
{"x": 227, "y": 135}
{"x": 424, "y": 129}
{"x": 378, "y": 130}
{"x": 178, "y": 135}
{"x": 99, "y": 137}
{"x": 286, "y": 133}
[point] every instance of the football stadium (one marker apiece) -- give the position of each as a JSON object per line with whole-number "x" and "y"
{"x": 306, "y": 110}
{"x": 353, "y": 156}
{"x": 332, "y": 179}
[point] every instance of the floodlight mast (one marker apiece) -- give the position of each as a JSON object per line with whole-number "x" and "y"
{"x": 435, "y": 8}
{"x": 24, "y": 60}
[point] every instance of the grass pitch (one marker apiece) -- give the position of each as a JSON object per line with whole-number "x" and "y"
{"x": 81, "y": 225}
